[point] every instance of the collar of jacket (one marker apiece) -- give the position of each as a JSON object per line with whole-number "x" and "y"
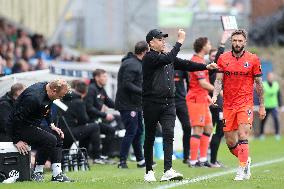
{"x": 93, "y": 81}
{"x": 7, "y": 97}
{"x": 156, "y": 51}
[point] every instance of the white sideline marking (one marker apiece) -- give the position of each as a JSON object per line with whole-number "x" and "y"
{"x": 206, "y": 177}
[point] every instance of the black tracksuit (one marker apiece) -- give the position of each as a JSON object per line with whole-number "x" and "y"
{"x": 158, "y": 99}
{"x": 6, "y": 107}
{"x": 216, "y": 119}
{"x": 30, "y": 108}
{"x": 95, "y": 100}
{"x": 129, "y": 103}
{"x": 181, "y": 109}
{"x": 83, "y": 130}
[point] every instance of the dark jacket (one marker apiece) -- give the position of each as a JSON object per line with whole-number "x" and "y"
{"x": 95, "y": 99}
{"x": 129, "y": 84}
{"x": 180, "y": 78}
{"x": 158, "y": 74}
{"x": 76, "y": 113}
{"x": 6, "y": 107}
{"x": 30, "y": 108}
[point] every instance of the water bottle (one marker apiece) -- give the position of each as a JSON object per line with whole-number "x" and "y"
{"x": 75, "y": 162}
{"x": 70, "y": 162}
{"x": 65, "y": 163}
{"x": 82, "y": 163}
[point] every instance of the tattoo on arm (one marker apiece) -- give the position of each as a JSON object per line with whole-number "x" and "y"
{"x": 259, "y": 89}
{"x": 217, "y": 86}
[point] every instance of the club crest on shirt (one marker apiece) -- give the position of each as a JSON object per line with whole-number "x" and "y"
{"x": 249, "y": 113}
{"x": 246, "y": 64}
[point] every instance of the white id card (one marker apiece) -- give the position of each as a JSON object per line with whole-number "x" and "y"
{"x": 220, "y": 115}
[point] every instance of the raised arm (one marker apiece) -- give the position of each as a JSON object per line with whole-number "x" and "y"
{"x": 157, "y": 59}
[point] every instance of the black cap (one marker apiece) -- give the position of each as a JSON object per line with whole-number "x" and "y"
{"x": 155, "y": 33}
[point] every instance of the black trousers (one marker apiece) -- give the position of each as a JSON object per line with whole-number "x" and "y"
{"x": 165, "y": 114}
{"x": 274, "y": 113}
{"x": 182, "y": 114}
{"x": 217, "y": 136}
{"x": 87, "y": 135}
{"x": 47, "y": 142}
{"x": 109, "y": 131}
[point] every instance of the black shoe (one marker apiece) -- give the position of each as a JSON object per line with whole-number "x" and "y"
{"x": 38, "y": 177}
{"x": 204, "y": 164}
{"x": 186, "y": 161}
{"x": 61, "y": 178}
{"x": 122, "y": 165}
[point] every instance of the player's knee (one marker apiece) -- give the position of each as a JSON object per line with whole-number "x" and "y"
{"x": 51, "y": 141}
{"x": 231, "y": 143}
{"x": 243, "y": 135}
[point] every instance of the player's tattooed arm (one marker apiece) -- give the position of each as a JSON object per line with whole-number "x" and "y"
{"x": 218, "y": 84}
{"x": 259, "y": 89}
{"x": 217, "y": 87}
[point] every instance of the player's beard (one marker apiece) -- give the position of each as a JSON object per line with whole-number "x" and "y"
{"x": 237, "y": 51}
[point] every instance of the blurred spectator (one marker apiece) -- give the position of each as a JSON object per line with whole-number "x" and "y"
{"x": 55, "y": 51}
{"x": 20, "y": 66}
{"x": 16, "y": 44}
{"x": 40, "y": 65}
{"x": 3, "y": 49}
{"x": 18, "y": 53}
{"x": 3, "y": 30}
{"x": 272, "y": 101}
{"x": 9, "y": 65}
{"x": 28, "y": 53}
{"x": 23, "y": 38}
{"x": 10, "y": 47}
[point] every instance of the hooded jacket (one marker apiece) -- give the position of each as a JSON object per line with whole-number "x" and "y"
{"x": 129, "y": 84}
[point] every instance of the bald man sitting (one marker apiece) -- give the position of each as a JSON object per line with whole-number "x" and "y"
{"x": 31, "y": 107}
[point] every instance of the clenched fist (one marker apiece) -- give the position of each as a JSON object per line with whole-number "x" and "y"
{"x": 181, "y": 36}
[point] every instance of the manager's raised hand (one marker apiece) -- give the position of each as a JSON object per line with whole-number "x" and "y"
{"x": 181, "y": 36}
